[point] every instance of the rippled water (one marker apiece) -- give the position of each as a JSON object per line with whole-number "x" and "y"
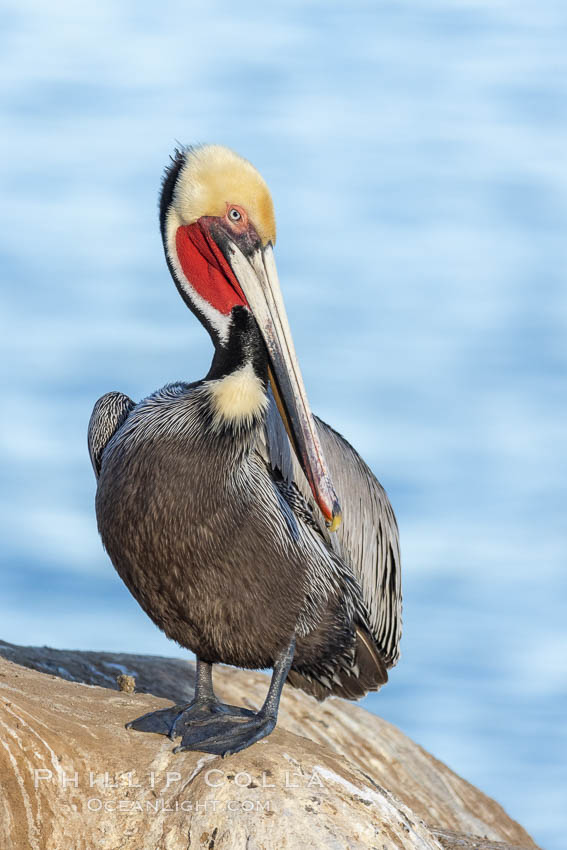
{"x": 417, "y": 161}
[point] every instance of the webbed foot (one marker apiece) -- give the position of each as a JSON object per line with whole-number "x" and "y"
{"x": 210, "y": 726}
{"x": 175, "y": 720}
{"x": 224, "y": 734}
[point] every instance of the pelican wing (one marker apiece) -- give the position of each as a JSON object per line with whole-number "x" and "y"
{"x": 109, "y": 414}
{"x": 367, "y": 539}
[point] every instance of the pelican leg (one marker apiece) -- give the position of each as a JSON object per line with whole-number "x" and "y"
{"x": 226, "y": 734}
{"x": 203, "y": 708}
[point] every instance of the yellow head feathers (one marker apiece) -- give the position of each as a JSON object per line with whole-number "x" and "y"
{"x": 214, "y": 176}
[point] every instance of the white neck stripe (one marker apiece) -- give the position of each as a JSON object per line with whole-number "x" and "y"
{"x": 219, "y": 321}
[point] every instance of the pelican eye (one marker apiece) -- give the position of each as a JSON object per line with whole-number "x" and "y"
{"x": 234, "y": 215}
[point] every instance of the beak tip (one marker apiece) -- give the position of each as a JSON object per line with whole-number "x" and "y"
{"x": 336, "y": 517}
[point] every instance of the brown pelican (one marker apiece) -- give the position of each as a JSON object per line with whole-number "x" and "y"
{"x": 216, "y": 500}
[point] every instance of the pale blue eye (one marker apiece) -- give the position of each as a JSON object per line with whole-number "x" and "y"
{"x": 234, "y": 215}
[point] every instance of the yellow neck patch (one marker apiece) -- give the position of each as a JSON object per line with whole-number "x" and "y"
{"x": 214, "y": 176}
{"x": 238, "y": 398}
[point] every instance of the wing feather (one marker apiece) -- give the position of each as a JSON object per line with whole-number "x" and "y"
{"x": 109, "y": 414}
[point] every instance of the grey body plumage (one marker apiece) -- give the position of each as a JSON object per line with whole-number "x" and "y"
{"x": 214, "y": 523}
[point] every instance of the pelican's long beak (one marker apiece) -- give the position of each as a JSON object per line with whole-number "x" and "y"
{"x": 258, "y": 278}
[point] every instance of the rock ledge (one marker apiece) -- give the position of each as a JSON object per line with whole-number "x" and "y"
{"x": 73, "y": 778}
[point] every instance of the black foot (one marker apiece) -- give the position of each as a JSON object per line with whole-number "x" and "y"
{"x": 175, "y": 720}
{"x": 209, "y": 726}
{"x": 224, "y": 735}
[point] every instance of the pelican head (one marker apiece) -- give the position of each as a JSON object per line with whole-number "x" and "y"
{"x": 218, "y": 228}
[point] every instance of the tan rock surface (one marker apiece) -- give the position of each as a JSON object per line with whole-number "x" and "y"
{"x": 73, "y": 778}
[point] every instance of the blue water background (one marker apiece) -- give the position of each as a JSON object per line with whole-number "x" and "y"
{"x": 417, "y": 155}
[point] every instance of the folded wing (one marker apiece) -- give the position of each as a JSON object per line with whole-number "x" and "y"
{"x": 367, "y": 539}
{"x": 109, "y": 414}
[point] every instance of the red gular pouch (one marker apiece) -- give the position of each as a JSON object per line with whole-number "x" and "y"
{"x": 206, "y": 268}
